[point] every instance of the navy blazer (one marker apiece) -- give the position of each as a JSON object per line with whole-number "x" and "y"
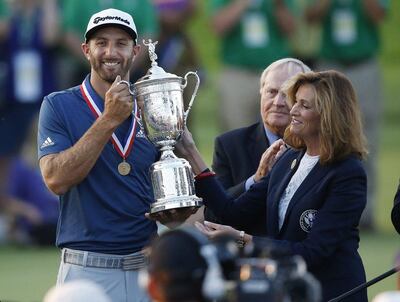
{"x": 396, "y": 211}
{"x": 237, "y": 154}
{"x": 321, "y": 222}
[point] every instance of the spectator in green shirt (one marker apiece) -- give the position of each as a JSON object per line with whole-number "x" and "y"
{"x": 253, "y": 34}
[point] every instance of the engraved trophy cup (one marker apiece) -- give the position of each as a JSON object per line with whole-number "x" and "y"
{"x": 163, "y": 118}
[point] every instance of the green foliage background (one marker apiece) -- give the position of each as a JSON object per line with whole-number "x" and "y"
{"x": 26, "y": 273}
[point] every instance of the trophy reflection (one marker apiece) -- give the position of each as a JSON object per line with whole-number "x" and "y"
{"x": 163, "y": 118}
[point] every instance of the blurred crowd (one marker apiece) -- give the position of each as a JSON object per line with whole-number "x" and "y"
{"x": 40, "y": 52}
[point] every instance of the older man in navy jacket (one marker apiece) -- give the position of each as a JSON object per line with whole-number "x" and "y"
{"x": 237, "y": 153}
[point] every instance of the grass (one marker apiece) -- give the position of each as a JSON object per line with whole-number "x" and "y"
{"x": 378, "y": 251}
{"x": 26, "y": 273}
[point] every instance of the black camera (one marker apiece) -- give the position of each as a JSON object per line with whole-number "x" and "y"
{"x": 264, "y": 273}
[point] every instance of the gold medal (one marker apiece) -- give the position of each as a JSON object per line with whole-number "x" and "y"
{"x": 124, "y": 168}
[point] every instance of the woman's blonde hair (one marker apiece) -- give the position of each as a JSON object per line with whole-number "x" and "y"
{"x": 341, "y": 132}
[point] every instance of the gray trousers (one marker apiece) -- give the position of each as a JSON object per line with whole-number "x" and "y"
{"x": 120, "y": 285}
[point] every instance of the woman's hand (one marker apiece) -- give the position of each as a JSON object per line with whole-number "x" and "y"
{"x": 215, "y": 230}
{"x": 187, "y": 149}
{"x": 185, "y": 145}
{"x": 269, "y": 158}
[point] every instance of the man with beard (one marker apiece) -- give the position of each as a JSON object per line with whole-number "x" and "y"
{"x": 94, "y": 156}
{"x": 238, "y": 154}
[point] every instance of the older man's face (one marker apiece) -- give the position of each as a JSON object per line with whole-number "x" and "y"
{"x": 274, "y": 108}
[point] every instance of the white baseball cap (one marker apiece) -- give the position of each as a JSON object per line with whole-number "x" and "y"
{"x": 111, "y": 17}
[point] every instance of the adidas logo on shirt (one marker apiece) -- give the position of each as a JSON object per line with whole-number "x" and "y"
{"x": 140, "y": 134}
{"x": 47, "y": 143}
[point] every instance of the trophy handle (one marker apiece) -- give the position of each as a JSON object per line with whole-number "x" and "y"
{"x": 186, "y": 113}
{"x": 133, "y": 92}
{"x": 131, "y": 88}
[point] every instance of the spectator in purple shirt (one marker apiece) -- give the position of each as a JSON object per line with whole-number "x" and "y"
{"x": 30, "y": 195}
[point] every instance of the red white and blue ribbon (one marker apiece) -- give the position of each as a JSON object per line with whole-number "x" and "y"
{"x": 90, "y": 97}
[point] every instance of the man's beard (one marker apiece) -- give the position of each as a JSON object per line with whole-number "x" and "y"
{"x": 110, "y": 76}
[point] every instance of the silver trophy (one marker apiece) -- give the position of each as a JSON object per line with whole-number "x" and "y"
{"x": 163, "y": 118}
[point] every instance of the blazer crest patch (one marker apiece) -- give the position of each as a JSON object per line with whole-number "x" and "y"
{"x": 307, "y": 220}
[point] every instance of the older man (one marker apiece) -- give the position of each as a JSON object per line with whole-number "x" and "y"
{"x": 237, "y": 153}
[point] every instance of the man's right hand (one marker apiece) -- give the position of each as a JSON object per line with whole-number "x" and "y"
{"x": 118, "y": 103}
{"x": 269, "y": 158}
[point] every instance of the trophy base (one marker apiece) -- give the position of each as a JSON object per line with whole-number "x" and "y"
{"x": 176, "y": 203}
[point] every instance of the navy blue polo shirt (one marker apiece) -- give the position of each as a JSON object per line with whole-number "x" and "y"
{"x": 105, "y": 212}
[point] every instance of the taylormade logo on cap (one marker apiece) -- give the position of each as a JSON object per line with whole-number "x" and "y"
{"x": 111, "y": 17}
{"x": 98, "y": 19}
